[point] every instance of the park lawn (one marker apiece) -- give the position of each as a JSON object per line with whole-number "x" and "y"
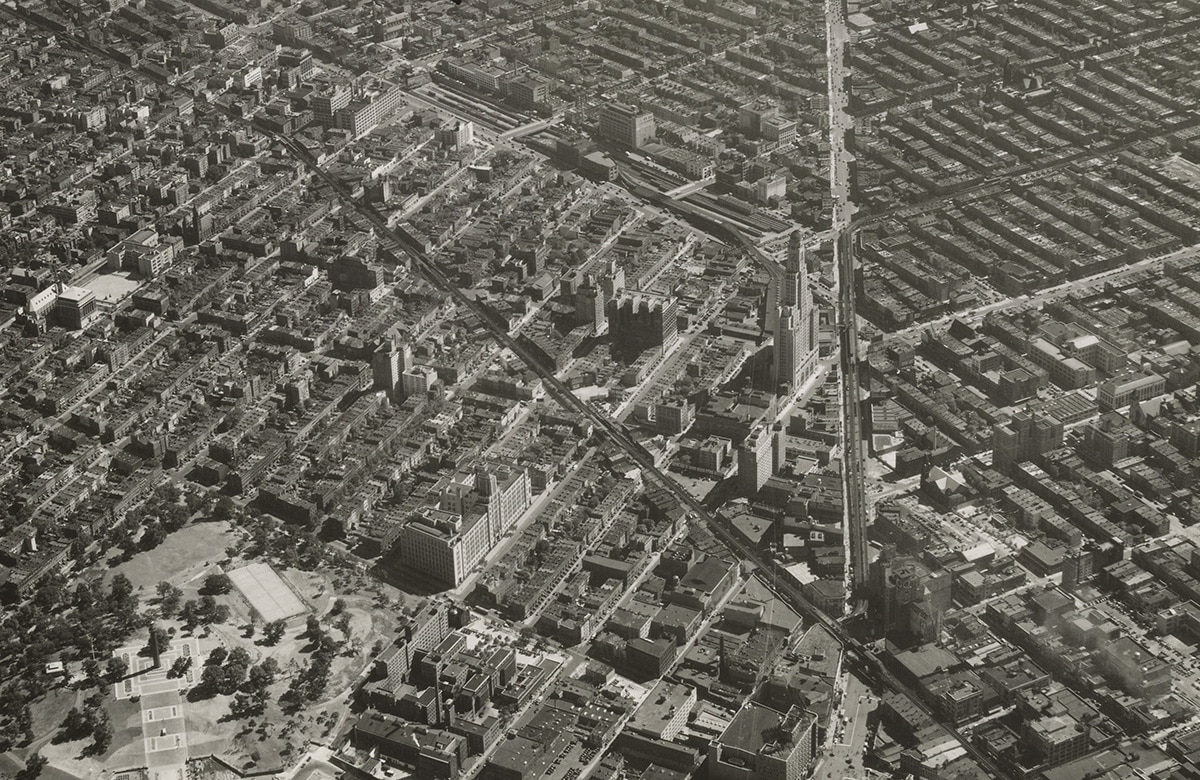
{"x": 185, "y": 555}
{"x": 67, "y": 759}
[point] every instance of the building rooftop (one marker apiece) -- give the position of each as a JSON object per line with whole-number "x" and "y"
{"x": 663, "y": 703}
{"x": 753, "y": 727}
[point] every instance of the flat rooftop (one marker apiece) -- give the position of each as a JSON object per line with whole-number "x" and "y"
{"x": 748, "y": 729}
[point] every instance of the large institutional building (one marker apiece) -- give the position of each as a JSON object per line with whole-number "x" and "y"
{"x": 446, "y": 541}
{"x": 625, "y": 125}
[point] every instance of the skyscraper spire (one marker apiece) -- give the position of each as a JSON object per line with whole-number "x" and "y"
{"x": 797, "y": 257}
{"x": 795, "y": 273}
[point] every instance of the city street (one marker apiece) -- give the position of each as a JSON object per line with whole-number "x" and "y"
{"x": 843, "y": 756}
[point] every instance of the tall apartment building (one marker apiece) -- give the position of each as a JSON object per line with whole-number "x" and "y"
{"x": 752, "y": 117}
{"x": 300, "y": 59}
{"x": 640, "y": 320}
{"x": 351, "y": 272}
{"x": 528, "y": 91}
{"x": 362, "y": 115}
{"x": 664, "y": 713}
{"x": 456, "y": 134}
{"x": 1066, "y": 370}
{"x": 388, "y": 364}
{"x": 484, "y": 78}
{"x": 795, "y": 354}
{"x": 903, "y": 592}
{"x": 388, "y": 26}
{"x": 795, "y": 290}
{"x": 419, "y": 632}
{"x": 757, "y": 458}
{"x": 145, "y": 252}
{"x": 1058, "y": 738}
{"x": 417, "y": 380}
{"x": 73, "y": 209}
{"x": 291, "y": 31}
{"x": 1023, "y": 437}
{"x": 625, "y": 125}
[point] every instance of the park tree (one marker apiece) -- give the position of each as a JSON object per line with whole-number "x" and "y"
{"x": 82, "y": 543}
{"x": 91, "y": 669}
{"x": 217, "y": 656}
{"x": 33, "y": 767}
{"x": 212, "y": 678}
{"x": 224, "y": 509}
{"x": 93, "y": 703}
{"x": 212, "y": 612}
{"x": 49, "y": 595}
{"x": 121, "y": 536}
{"x": 152, "y": 535}
{"x": 169, "y": 598}
{"x": 84, "y": 597}
{"x": 262, "y": 675}
{"x": 273, "y": 632}
{"x": 116, "y": 668}
{"x": 234, "y": 670}
{"x": 102, "y": 733}
{"x": 217, "y": 584}
{"x": 180, "y": 666}
{"x": 76, "y": 724}
{"x": 247, "y": 705}
{"x": 23, "y": 723}
{"x": 172, "y": 517}
{"x": 120, "y": 594}
{"x": 189, "y": 613}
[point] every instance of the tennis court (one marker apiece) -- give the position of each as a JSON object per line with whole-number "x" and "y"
{"x": 269, "y": 595}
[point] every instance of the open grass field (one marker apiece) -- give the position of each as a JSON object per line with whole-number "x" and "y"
{"x": 69, "y": 759}
{"x": 184, "y": 556}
